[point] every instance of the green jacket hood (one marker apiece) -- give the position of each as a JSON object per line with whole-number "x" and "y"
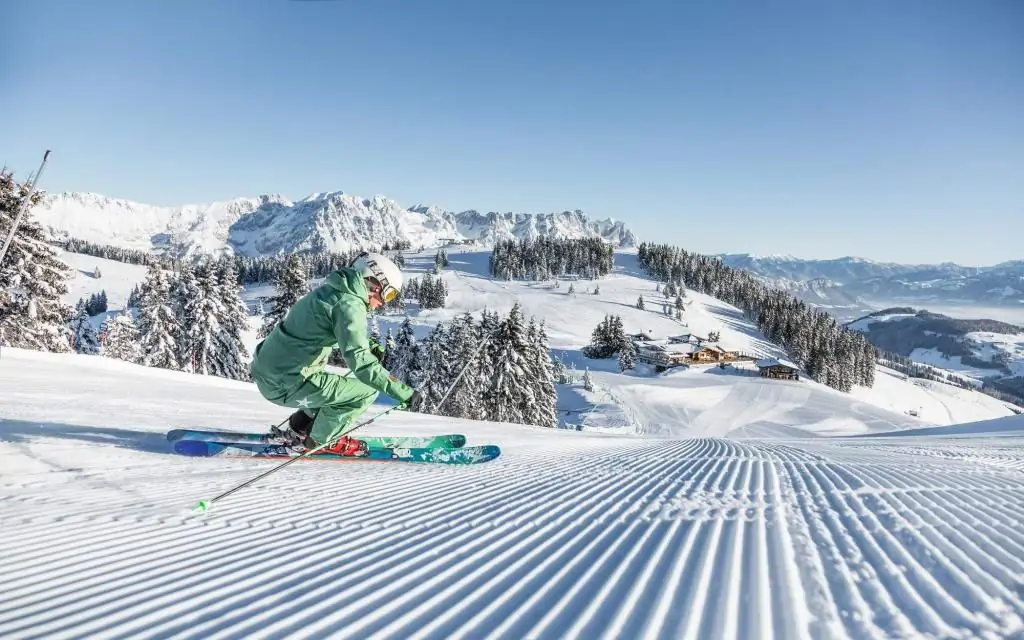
{"x": 350, "y": 281}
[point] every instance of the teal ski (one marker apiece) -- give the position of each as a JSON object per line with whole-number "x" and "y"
{"x": 438, "y": 455}
{"x": 448, "y": 440}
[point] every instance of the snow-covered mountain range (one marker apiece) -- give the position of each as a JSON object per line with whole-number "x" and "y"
{"x": 272, "y": 224}
{"x": 866, "y": 280}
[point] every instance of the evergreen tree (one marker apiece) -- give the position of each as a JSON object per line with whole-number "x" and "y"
{"x": 627, "y": 356}
{"x": 32, "y": 278}
{"x": 588, "y": 382}
{"x": 466, "y": 396}
{"x": 232, "y": 356}
{"x": 135, "y": 296}
{"x": 510, "y": 393}
{"x": 201, "y": 346}
{"x": 97, "y": 303}
{"x": 487, "y": 333}
{"x": 389, "y": 346}
{"x": 597, "y": 289}
{"x": 545, "y": 407}
{"x": 157, "y": 324}
{"x": 438, "y": 370}
{"x": 640, "y": 303}
{"x": 403, "y": 361}
{"x": 84, "y": 339}
{"x": 122, "y": 340}
{"x": 182, "y": 285}
{"x": 290, "y": 284}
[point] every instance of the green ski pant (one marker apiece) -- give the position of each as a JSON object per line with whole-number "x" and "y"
{"x": 335, "y": 400}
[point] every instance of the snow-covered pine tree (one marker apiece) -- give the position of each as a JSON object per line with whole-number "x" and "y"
{"x": 398, "y": 360}
{"x": 412, "y": 289}
{"x": 627, "y": 356}
{"x": 588, "y": 382}
{"x": 202, "y": 323}
{"x": 181, "y": 286}
{"x": 122, "y": 341}
{"x": 374, "y": 329}
{"x": 97, "y": 303}
{"x": 511, "y": 392}
{"x": 290, "y": 285}
{"x": 617, "y": 338}
{"x": 869, "y": 354}
{"x": 157, "y": 323}
{"x": 545, "y": 408}
{"x": 389, "y": 346}
{"x": 487, "y": 332}
{"x": 465, "y": 400}
{"x": 135, "y": 296}
{"x": 438, "y": 371}
{"x": 232, "y": 356}
{"x": 597, "y": 289}
{"x": 83, "y": 334}
{"x": 640, "y": 303}
{"x": 32, "y": 278}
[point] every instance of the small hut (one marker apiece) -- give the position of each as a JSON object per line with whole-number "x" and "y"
{"x": 778, "y": 369}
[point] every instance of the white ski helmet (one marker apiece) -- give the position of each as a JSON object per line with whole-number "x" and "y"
{"x": 383, "y": 270}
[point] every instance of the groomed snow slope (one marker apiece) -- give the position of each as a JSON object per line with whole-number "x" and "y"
{"x": 567, "y": 535}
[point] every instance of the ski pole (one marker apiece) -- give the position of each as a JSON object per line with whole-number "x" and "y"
{"x": 440, "y": 404}
{"x": 203, "y": 505}
{"x": 24, "y": 207}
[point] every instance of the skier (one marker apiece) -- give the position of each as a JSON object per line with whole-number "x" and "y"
{"x": 288, "y": 365}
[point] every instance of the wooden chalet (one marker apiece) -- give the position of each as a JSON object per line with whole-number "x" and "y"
{"x": 666, "y": 354}
{"x": 778, "y": 369}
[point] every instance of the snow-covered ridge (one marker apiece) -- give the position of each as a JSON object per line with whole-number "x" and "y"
{"x": 977, "y": 349}
{"x": 271, "y": 224}
{"x": 947, "y": 282}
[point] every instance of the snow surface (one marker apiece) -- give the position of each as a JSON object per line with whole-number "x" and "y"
{"x": 567, "y": 535}
{"x": 698, "y": 503}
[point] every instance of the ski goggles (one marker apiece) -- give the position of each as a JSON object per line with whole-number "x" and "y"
{"x": 386, "y": 291}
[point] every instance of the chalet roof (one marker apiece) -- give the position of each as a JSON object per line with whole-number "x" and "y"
{"x": 776, "y": 362}
{"x": 714, "y": 346}
{"x": 687, "y": 337}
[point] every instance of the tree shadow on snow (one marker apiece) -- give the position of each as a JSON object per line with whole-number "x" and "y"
{"x": 23, "y": 432}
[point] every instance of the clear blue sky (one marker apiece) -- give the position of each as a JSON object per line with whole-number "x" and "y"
{"x": 887, "y": 129}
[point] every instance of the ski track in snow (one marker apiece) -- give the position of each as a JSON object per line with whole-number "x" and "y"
{"x": 606, "y": 538}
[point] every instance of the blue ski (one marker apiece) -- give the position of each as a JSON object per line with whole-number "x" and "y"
{"x": 451, "y": 440}
{"x": 438, "y": 455}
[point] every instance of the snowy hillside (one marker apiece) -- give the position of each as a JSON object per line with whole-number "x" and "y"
{"x": 701, "y": 401}
{"x": 977, "y": 348}
{"x": 566, "y": 535}
{"x": 271, "y": 224}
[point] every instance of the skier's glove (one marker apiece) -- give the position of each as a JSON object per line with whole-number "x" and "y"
{"x": 377, "y": 350}
{"x": 414, "y": 402}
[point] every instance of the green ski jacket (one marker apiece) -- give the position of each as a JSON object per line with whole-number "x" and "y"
{"x": 332, "y": 314}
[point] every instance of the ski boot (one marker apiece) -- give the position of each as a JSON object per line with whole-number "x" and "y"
{"x": 346, "y": 446}
{"x": 296, "y": 435}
